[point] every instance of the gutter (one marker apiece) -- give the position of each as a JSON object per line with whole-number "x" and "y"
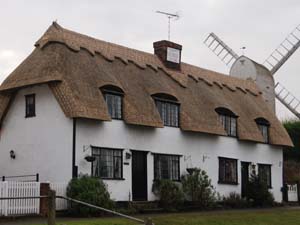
{"x": 74, "y": 167}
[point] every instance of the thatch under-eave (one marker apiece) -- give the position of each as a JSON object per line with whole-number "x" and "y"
{"x": 76, "y": 67}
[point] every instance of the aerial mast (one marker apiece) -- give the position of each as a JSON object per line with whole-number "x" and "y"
{"x": 170, "y": 16}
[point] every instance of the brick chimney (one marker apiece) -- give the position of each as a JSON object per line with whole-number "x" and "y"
{"x": 169, "y": 53}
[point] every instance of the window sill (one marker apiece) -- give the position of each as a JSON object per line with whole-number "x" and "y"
{"x": 30, "y": 116}
{"x": 229, "y": 183}
{"x": 111, "y": 178}
{"x": 179, "y": 181}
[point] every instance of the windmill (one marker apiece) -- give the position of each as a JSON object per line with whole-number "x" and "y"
{"x": 262, "y": 74}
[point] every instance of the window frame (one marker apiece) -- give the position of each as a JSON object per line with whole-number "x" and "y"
{"x": 168, "y": 101}
{"x": 28, "y": 113}
{"x": 261, "y": 122}
{"x": 106, "y": 91}
{"x": 99, "y": 155}
{"x": 166, "y": 155}
{"x": 269, "y": 182}
{"x": 223, "y": 181}
{"x": 228, "y": 115}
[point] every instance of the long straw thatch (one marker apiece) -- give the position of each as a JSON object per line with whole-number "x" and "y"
{"x": 76, "y": 66}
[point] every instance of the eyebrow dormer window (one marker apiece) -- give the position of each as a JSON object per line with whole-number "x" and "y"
{"x": 228, "y": 120}
{"x": 263, "y": 126}
{"x": 168, "y": 108}
{"x": 114, "y": 100}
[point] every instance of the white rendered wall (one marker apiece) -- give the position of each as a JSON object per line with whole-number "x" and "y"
{"x": 197, "y": 150}
{"x": 43, "y": 144}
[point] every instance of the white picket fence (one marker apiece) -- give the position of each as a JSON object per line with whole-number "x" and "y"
{"x": 19, "y": 206}
{"x": 61, "y": 190}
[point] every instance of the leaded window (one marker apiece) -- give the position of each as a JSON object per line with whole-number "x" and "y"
{"x": 108, "y": 163}
{"x": 30, "y": 105}
{"x": 263, "y": 126}
{"x": 228, "y": 171}
{"x": 264, "y": 174}
{"x": 169, "y": 112}
{"x": 114, "y": 100}
{"x": 166, "y": 167}
{"x": 228, "y": 120}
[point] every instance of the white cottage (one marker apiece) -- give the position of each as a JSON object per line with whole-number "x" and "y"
{"x": 78, "y": 105}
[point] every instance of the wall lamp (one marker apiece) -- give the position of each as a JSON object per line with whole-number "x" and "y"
{"x": 12, "y": 154}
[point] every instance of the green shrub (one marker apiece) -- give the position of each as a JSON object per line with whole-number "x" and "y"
{"x": 89, "y": 190}
{"x": 198, "y": 188}
{"x": 235, "y": 201}
{"x": 257, "y": 193}
{"x": 169, "y": 193}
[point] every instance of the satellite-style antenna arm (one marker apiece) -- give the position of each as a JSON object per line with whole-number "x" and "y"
{"x": 170, "y": 16}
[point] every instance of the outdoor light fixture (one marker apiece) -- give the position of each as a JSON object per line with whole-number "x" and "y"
{"x": 90, "y": 158}
{"x": 128, "y": 155}
{"x": 12, "y": 154}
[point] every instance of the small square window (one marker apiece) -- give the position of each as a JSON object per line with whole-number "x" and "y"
{"x": 169, "y": 112}
{"x": 166, "y": 167}
{"x": 228, "y": 171}
{"x": 30, "y": 105}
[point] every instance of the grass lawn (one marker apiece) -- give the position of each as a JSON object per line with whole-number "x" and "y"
{"x": 279, "y": 216}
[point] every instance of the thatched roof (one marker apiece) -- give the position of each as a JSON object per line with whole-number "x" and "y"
{"x": 75, "y": 66}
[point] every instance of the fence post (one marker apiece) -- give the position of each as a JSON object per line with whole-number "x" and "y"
{"x": 51, "y": 207}
{"x": 44, "y": 190}
{"x": 298, "y": 190}
{"x": 148, "y": 221}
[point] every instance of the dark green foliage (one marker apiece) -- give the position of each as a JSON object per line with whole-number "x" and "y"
{"x": 90, "y": 190}
{"x": 293, "y": 128}
{"x": 235, "y": 201}
{"x": 198, "y": 188}
{"x": 258, "y": 193}
{"x": 170, "y": 194}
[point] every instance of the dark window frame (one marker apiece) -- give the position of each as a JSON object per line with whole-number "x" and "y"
{"x": 30, "y": 109}
{"x": 223, "y": 180}
{"x": 261, "y": 124}
{"x": 156, "y": 156}
{"x": 228, "y": 116}
{"x": 105, "y": 92}
{"x": 99, "y": 155}
{"x": 172, "y": 102}
{"x": 269, "y": 166}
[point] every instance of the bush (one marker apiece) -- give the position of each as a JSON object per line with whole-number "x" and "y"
{"x": 198, "y": 188}
{"x": 89, "y": 190}
{"x": 258, "y": 193}
{"x": 169, "y": 193}
{"x": 235, "y": 201}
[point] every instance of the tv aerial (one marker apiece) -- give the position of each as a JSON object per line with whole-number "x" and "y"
{"x": 170, "y": 16}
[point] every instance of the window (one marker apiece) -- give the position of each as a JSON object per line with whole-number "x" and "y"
{"x": 166, "y": 167}
{"x": 30, "y": 105}
{"x": 264, "y": 174}
{"x": 168, "y": 109}
{"x": 108, "y": 163}
{"x": 114, "y": 100}
{"x": 263, "y": 126}
{"x": 228, "y": 171}
{"x": 228, "y": 120}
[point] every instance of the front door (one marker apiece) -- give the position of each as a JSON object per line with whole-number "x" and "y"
{"x": 139, "y": 176}
{"x": 245, "y": 177}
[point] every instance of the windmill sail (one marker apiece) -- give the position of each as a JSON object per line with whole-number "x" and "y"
{"x": 217, "y": 46}
{"x": 284, "y": 51}
{"x": 287, "y": 99}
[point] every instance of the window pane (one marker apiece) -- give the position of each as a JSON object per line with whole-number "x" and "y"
{"x": 168, "y": 113}
{"x": 166, "y": 167}
{"x": 114, "y": 105}
{"x": 30, "y": 105}
{"x": 227, "y": 170}
{"x": 108, "y": 163}
{"x": 229, "y": 124}
{"x": 264, "y": 173}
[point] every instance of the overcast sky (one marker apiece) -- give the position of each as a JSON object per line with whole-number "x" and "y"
{"x": 259, "y": 25}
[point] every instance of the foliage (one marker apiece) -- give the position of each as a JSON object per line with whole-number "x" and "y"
{"x": 293, "y": 128}
{"x": 235, "y": 201}
{"x": 257, "y": 192}
{"x": 170, "y": 194}
{"x": 291, "y": 171}
{"x": 90, "y": 190}
{"x": 198, "y": 188}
